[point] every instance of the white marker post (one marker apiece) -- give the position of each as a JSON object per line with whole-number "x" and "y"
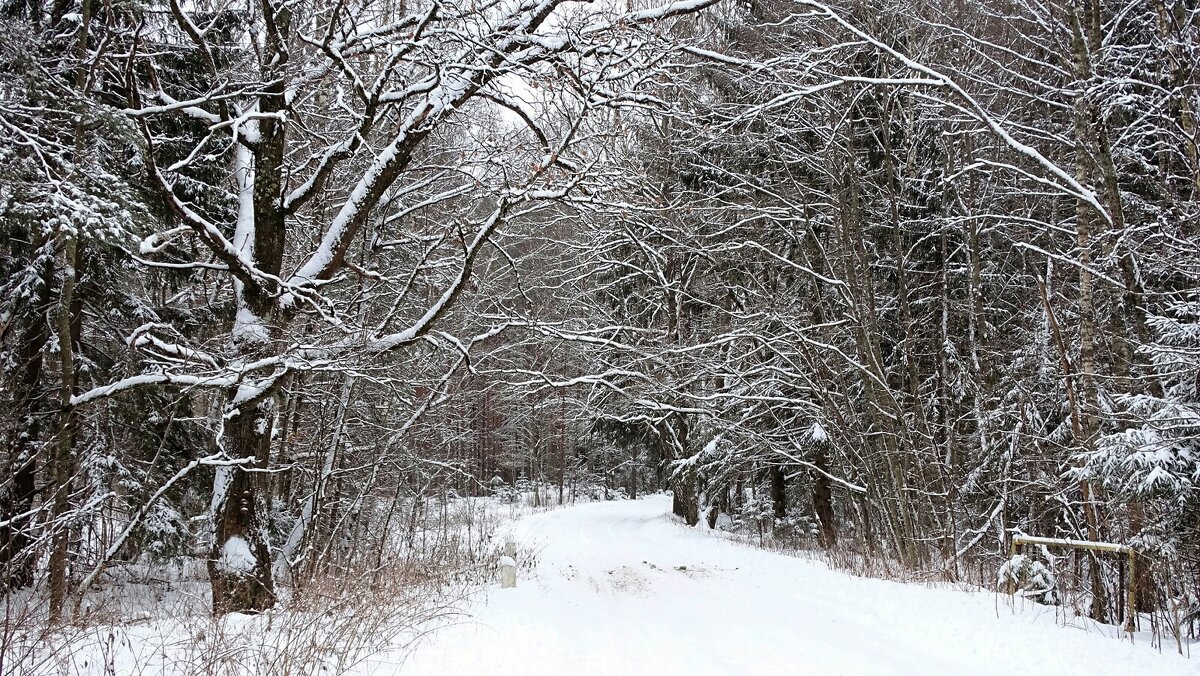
{"x": 508, "y": 565}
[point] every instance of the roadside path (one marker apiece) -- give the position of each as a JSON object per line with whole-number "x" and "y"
{"x": 622, "y": 589}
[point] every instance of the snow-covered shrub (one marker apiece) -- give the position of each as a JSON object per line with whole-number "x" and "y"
{"x": 754, "y": 518}
{"x": 502, "y": 491}
{"x": 1153, "y": 459}
{"x": 164, "y": 531}
{"x": 1030, "y": 578}
{"x": 755, "y": 514}
{"x": 1159, "y": 459}
{"x": 795, "y": 527}
{"x": 524, "y": 486}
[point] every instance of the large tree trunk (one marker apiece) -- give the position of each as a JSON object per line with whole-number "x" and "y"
{"x": 62, "y": 464}
{"x": 240, "y": 563}
{"x": 1087, "y": 315}
{"x": 685, "y": 503}
{"x": 69, "y": 327}
{"x": 778, "y": 491}
{"x": 823, "y": 499}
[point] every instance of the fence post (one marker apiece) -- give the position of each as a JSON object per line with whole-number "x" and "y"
{"x": 1131, "y": 589}
{"x": 508, "y": 565}
{"x": 1012, "y": 554}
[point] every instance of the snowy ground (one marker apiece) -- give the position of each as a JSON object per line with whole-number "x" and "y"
{"x": 621, "y": 589}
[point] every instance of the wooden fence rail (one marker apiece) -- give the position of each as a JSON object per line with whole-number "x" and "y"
{"x": 1110, "y": 547}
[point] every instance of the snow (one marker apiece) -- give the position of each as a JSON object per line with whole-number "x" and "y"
{"x": 249, "y": 328}
{"x": 818, "y": 433}
{"x": 149, "y": 379}
{"x": 622, "y": 588}
{"x": 672, "y": 9}
{"x": 344, "y": 223}
{"x": 236, "y": 556}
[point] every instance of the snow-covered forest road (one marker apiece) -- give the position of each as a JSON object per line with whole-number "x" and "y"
{"x": 621, "y": 589}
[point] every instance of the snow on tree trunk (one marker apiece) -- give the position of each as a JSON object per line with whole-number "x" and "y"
{"x": 239, "y": 564}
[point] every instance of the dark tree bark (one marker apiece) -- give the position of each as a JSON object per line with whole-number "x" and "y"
{"x": 239, "y": 584}
{"x": 69, "y": 327}
{"x": 241, "y": 513}
{"x": 823, "y": 501}
{"x": 685, "y": 503}
{"x": 778, "y": 491}
{"x": 685, "y": 499}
